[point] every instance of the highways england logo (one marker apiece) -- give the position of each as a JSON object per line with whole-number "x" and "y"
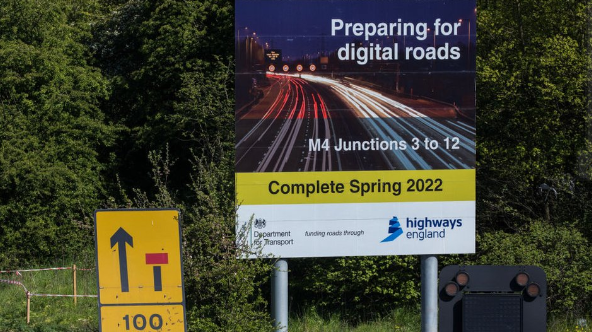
{"x": 422, "y": 228}
{"x": 394, "y": 230}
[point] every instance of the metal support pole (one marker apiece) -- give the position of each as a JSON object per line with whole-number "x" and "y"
{"x": 279, "y": 296}
{"x": 429, "y": 293}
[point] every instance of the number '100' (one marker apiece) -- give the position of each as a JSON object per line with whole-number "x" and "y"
{"x": 139, "y": 322}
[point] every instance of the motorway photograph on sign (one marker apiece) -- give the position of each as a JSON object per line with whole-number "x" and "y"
{"x": 345, "y": 106}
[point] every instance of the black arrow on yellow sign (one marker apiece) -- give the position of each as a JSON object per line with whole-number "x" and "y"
{"x": 122, "y": 237}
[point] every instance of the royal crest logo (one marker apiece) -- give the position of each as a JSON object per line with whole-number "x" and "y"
{"x": 394, "y": 230}
{"x": 260, "y": 223}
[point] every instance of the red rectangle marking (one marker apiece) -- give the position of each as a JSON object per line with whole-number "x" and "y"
{"x": 157, "y": 258}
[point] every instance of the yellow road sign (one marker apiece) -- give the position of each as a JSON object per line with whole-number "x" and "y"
{"x": 139, "y": 266}
{"x": 169, "y": 318}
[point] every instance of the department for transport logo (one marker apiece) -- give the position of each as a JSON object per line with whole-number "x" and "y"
{"x": 260, "y": 223}
{"x": 394, "y": 230}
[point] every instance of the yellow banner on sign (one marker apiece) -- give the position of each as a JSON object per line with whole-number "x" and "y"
{"x": 143, "y": 318}
{"x": 355, "y": 187}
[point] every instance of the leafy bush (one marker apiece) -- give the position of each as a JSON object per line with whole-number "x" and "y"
{"x": 360, "y": 288}
{"x": 560, "y": 250}
{"x": 53, "y": 134}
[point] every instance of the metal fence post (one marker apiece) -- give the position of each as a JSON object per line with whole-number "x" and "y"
{"x": 74, "y": 282}
{"x": 28, "y": 307}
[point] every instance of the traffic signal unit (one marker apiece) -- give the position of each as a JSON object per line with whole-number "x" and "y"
{"x": 489, "y": 298}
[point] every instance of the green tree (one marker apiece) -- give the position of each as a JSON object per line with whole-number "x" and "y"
{"x": 532, "y": 112}
{"x": 562, "y": 252}
{"x": 359, "y": 288}
{"x": 54, "y": 136}
{"x": 533, "y": 183}
{"x": 169, "y": 65}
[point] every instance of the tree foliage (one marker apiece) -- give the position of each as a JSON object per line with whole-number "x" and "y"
{"x": 53, "y": 132}
{"x": 562, "y": 252}
{"x": 533, "y": 146}
{"x": 359, "y": 288}
{"x": 533, "y": 110}
{"x": 168, "y": 64}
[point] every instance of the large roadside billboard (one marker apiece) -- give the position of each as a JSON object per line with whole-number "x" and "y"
{"x": 355, "y": 126}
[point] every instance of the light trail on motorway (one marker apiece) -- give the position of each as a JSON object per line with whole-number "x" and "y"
{"x": 298, "y": 112}
{"x": 275, "y": 135}
{"x": 391, "y": 120}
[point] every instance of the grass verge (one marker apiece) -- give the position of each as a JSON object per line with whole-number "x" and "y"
{"x": 400, "y": 320}
{"x": 55, "y": 314}
{"x": 405, "y": 320}
{"x": 48, "y": 314}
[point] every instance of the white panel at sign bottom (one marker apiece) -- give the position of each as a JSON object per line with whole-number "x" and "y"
{"x": 368, "y": 229}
